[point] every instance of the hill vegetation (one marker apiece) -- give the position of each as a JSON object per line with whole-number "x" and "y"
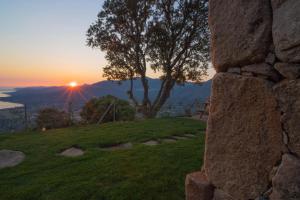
{"x": 36, "y": 97}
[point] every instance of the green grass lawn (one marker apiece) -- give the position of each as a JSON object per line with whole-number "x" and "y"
{"x": 140, "y": 173}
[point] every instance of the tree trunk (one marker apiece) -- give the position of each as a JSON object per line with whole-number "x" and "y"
{"x": 146, "y": 101}
{"x": 164, "y": 94}
{"x": 130, "y": 93}
{"x": 146, "y": 108}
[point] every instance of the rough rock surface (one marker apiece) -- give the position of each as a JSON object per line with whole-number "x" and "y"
{"x": 262, "y": 69}
{"x": 244, "y": 138}
{"x": 286, "y": 30}
{"x": 242, "y": 35}
{"x": 277, "y": 3}
{"x": 270, "y": 59}
{"x": 286, "y": 183}
{"x": 9, "y": 158}
{"x": 288, "y": 94}
{"x": 197, "y": 187}
{"x": 235, "y": 70}
{"x": 288, "y": 70}
{"x": 221, "y": 195}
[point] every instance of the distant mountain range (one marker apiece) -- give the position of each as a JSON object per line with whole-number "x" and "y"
{"x": 37, "y": 97}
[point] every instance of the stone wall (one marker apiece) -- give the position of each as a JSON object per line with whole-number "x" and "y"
{"x": 253, "y": 131}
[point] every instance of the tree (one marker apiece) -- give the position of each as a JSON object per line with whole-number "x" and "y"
{"x": 50, "y": 118}
{"x": 169, "y": 36}
{"x": 93, "y": 110}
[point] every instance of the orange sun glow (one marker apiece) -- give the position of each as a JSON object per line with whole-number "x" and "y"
{"x": 73, "y": 84}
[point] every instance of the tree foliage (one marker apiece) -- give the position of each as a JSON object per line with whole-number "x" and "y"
{"x": 50, "y": 118}
{"x": 96, "y": 107}
{"x": 168, "y": 36}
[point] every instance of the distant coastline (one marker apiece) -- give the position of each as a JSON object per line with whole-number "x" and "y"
{"x": 4, "y": 92}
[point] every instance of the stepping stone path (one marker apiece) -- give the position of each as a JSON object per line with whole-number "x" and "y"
{"x": 169, "y": 140}
{"x": 118, "y": 147}
{"x": 189, "y": 135}
{"x": 151, "y": 143}
{"x": 72, "y": 152}
{"x": 180, "y": 137}
{"x": 9, "y": 158}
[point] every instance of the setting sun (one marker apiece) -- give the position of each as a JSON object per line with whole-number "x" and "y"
{"x": 73, "y": 84}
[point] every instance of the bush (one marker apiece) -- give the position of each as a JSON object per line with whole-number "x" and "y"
{"x": 50, "y": 118}
{"x": 96, "y": 107}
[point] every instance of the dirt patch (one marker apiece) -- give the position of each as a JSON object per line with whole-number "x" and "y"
{"x": 9, "y": 158}
{"x": 151, "y": 143}
{"x": 72, "y": 152}
{"x": 117, "y": 147}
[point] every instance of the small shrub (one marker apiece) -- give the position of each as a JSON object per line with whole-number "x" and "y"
{"x": 50, "y": 118}
{"x": 96, "y": 107}
{"x": 188, "y": 111}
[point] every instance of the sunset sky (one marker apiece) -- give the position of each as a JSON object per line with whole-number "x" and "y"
{"x": 42, "y": 42}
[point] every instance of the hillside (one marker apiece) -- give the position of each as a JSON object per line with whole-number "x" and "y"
{"x": 35, "y": 97}
{"x": 139, "y": 172}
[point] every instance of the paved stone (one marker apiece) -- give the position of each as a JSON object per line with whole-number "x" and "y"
{"x": 72, "y": 152}
{"x": 115, "y": 147}
{"x": 189, "y": 135}
{"x": 180, "y": 137}
{"x": 151, "y": 143}
{"x": 168, "y": 140}
{"x": 9, "y": 158}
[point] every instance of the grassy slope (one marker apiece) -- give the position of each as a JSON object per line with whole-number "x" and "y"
{"x": 143, "y": 172}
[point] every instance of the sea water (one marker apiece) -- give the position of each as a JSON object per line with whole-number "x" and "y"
{"x": 4, "y": 92}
